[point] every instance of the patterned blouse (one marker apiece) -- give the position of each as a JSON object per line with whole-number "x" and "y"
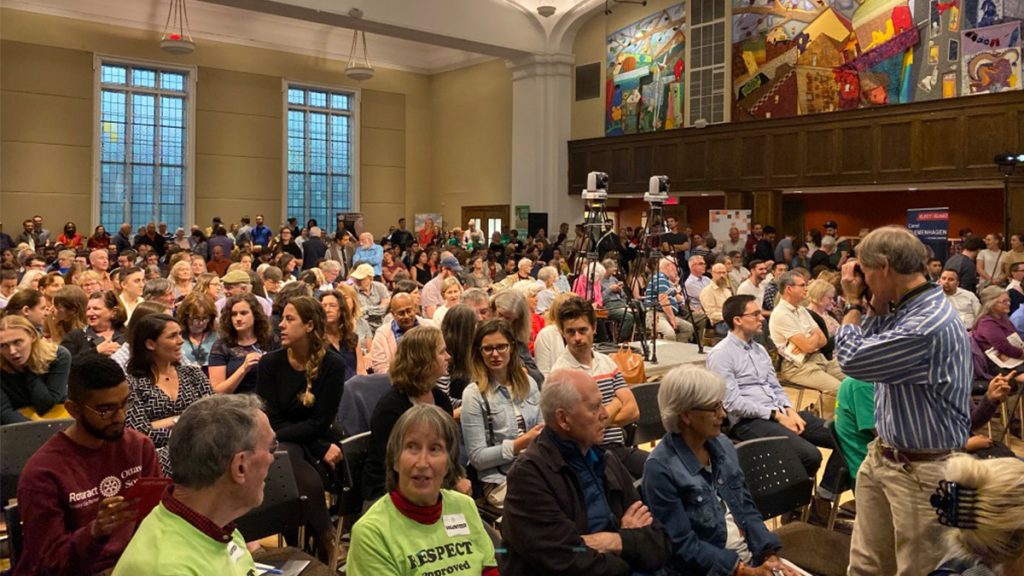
{"x": 150, "y": 403}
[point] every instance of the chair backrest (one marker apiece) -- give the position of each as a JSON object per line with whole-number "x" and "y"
{"x": 649, "y": 426}
{"x": 282, "y": 508}
{"x": 777, "y": 479}
{"x": 20, "y": 441}
{"x": 359, "y": 400}
{"x": 15, "y": 538}
{"x": 355, "y": 449}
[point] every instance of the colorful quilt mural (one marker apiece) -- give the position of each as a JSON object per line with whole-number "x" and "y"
{"x": 645, "y": 74}
{"x": 795, "y": 57}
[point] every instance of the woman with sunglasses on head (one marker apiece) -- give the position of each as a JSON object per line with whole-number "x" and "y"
{"x": 197, "y": 316}
{"x": 103, "y": 333}
{"x": 244, "y": 336}
{"x": 302, "y": 386}
{"x": 500, "y": 409}
{"x": 162, "y": 385}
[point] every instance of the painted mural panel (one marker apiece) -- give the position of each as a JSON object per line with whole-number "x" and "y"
{"x": 796, "y": 57}
{"x": 645, "y": 74}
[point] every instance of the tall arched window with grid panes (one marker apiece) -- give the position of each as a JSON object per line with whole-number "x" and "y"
{"x": 144, "y": 129}
{"x": 321, "y": 159}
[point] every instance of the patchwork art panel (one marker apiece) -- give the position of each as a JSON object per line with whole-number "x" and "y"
{"x": 645, "y": 74}
{"x": 796, "y": 57}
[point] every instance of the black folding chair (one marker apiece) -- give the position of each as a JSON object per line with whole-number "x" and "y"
{"x": 649, "y": 427}
{"x": 283, "y": 508}
{"x": 20, "y": 441}
{"x": 350, "y": 498}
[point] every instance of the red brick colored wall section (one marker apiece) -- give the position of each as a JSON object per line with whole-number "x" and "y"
{"x": 979, "y": 210}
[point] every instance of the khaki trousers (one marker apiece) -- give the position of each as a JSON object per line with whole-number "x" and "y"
{"x": 897, "y": 532}
{"x": 819, "y": 373}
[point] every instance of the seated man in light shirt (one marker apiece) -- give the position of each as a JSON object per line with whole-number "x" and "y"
{"x": 757, "y": 405}
{"x": 965, "y": 302}
{"x": 800, "y": 340}
{"x": 713, "y": 297}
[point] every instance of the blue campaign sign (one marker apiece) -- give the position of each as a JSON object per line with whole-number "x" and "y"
{"x": 931, "y": 226}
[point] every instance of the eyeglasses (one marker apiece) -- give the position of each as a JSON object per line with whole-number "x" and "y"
{"x": 715, "y": 408}
{"x": 499, "y": 348}
{"x": 755, "y": 313}
{"x": 107, "y": 411}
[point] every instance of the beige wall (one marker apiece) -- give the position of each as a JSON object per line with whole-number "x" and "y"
{"x": 46, "y": 124}
{"x": 589, "y": 47}
{"x": 472, "y": 138}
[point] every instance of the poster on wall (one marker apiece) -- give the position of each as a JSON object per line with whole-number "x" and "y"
{"x": 719, "y": 222}
{"x": 931, "y": 226}
{"x": 991, "y": 59}
{"x": 644, "y": 76}
{"x": 522, "y": 222}
{"x": 432, "y": 218}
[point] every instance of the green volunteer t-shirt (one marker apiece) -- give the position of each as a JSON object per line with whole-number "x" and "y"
{"x": 855, "y": 420}
{"x": 385, "y": 541}
{"x": 166, "y": 544}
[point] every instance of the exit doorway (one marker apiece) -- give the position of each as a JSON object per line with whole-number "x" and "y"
{"x": 489, "y": 219}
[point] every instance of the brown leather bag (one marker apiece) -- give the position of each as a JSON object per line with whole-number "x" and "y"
{"x": 631, "y": 364}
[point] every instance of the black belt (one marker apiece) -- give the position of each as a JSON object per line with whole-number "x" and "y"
{"x": 903, "y": 456}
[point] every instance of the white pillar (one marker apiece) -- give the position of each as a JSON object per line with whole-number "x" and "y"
{"x": 541, "y": 117}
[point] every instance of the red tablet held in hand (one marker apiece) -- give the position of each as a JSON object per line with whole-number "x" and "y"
{"x": 148, "y": 492}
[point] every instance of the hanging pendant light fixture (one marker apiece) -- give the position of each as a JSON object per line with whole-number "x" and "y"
{"x": 358, "y": 69}
{"x": 177, "y": 38}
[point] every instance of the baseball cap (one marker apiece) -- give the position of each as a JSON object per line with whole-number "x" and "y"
{"x": 451, "y": 262}
{"x": 831, "y": 224}
{"x": 235, "y": 277}
{"x": 362, "y": 271}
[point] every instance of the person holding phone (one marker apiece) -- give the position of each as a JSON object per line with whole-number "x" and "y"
{"x": 918, "y": 356}
{"x": 76, "y": 518}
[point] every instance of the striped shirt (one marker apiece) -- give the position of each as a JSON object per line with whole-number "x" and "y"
{"x": 609, "y": 380}
{"x": 920, "y": 362}
{"x": 659, "y": 285}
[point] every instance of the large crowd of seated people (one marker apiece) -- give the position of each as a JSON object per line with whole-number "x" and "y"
{"x": 195, "y": 356}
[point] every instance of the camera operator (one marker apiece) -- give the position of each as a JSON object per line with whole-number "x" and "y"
{"x": 909, "y": 341}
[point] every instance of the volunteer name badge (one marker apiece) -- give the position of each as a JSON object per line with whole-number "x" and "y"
{"x": 455, "y": 525}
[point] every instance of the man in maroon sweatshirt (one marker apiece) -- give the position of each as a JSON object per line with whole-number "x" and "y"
{"x": 71, "y": 491}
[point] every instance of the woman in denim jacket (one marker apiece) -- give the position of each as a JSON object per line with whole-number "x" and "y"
{"x": 694, "y": 486}
{"x": 500, "y": 410}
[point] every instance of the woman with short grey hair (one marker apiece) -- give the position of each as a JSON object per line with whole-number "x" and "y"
{"x": 422, "y": 462}
{"x": 694, "y": 485}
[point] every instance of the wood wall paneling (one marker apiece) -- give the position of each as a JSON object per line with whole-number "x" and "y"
{"x": 894, "y": 148}
{"x": 856, "y": 150}
{"x": 939, "y": 146}
{"x": 945, "y": 141}
{"x": 621, "y": 169}
{"x": 820, "y": 153}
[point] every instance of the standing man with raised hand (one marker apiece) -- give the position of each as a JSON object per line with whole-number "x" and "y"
{"x": 918, "y": 356}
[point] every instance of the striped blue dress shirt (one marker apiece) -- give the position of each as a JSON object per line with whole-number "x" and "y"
{"x": 920, "y": 362}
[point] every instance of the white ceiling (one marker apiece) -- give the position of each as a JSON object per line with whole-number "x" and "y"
{"x": 424, "y": 36}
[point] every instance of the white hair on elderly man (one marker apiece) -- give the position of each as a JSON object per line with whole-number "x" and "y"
{"x": 684, "y": 388}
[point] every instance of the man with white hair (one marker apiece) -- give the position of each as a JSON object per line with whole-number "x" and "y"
{"x": 664, "y": 293}
{"x": 331, "y": 270}
{"x": 221, "y": 451}
{"x": 472, "y": 238}
{"x": 571, "y": 507}
{"x": 523, "y": 269}
{"x": 368, "y": 252}
{"x": 734, "y": 243}
{"x": 373, "y": 296}
{"x": 313, "y": 249}
{"x": 823, "y": 256}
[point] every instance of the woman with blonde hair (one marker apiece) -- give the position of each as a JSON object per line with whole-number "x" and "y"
{"x": 986, "y": 516}
{"x": 209, "y": 283}
{"x": 31, "y": 279}
{"x": 550, "y": 345}
{"x": 181, "y": 276}
{"x": 35, "y": 372}
{"x": 420, "y": 361}
{"x": 302, "y": 385}
{"x": 362, "y": 326}
{"x": 451, "y": 291}
{"x": 91, "y": 281}
{"x": 500, "y": 409}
